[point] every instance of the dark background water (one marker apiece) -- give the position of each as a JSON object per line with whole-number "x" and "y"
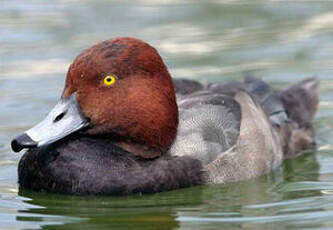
{"x": 211, "y": 41}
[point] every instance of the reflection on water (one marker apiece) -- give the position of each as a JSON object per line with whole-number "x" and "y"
{"x": 214, "y": 40}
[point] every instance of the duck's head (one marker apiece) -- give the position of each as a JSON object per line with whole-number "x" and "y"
{"x": 120, "y": 89}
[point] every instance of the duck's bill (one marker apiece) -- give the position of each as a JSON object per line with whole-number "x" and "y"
{"x": 65, "y": 118}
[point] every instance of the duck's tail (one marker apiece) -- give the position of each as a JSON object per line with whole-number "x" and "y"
{"x": 269, "y": 100}
{"x": 300, "y": 102}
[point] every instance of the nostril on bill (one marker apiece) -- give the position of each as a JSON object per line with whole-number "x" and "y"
{"x": 59, "y": 117}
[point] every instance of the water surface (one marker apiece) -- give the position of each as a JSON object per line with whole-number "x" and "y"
{"x": 211, "y": 41}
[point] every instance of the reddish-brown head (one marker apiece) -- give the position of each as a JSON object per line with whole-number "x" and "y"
{"x": 136, "y": 104}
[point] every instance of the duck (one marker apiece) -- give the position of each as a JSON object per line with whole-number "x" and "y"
{"x": 123, "y": 126}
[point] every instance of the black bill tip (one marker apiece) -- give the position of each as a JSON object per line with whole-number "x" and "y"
{"x": 22, "y": 141}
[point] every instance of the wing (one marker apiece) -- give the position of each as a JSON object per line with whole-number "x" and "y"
{"x": 209, "y": 125}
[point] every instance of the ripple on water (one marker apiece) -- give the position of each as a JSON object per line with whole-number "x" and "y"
{"x": 32, "y": 221}
{"x": 316, "y": 217}
{"x": 17, "y": 213}
{"x": 305, "y": 210}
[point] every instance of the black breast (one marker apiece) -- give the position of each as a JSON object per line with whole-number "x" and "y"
{"x": 91, "y": 166}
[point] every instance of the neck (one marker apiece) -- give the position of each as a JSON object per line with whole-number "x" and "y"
{"x": 152, "y": 129}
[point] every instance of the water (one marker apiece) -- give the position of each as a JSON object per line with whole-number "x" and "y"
{"x": 212, "y": 41}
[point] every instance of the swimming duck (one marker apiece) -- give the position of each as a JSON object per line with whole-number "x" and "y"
{"x": 124, "y": 126}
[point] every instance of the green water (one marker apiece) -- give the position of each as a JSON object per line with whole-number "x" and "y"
{"x": 212, "y": 41}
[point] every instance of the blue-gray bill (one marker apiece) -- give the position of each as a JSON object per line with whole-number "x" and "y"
{"x": 65, "y": 118}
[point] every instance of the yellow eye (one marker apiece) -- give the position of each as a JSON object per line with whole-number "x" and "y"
{"x": 109, "y": 80}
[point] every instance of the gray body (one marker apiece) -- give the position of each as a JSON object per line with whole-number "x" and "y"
{"x": 237, "y": 130}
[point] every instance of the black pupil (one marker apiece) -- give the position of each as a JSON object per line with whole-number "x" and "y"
{"x": 108, "y": 79}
